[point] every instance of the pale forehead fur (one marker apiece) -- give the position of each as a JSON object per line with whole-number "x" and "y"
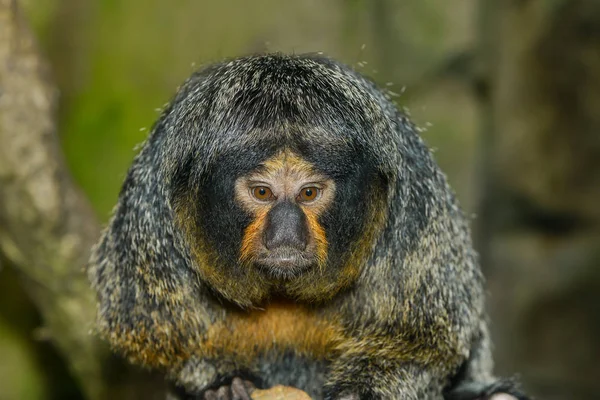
{"x": 288, "y": 164}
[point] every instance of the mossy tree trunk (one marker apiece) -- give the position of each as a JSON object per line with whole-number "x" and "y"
{"x": 46, "y": 226}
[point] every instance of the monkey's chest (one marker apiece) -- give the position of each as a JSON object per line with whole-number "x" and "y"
{"x": 279, "y": 329}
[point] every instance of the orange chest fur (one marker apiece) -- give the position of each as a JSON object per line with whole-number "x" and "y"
{"x": 279, "y": 327}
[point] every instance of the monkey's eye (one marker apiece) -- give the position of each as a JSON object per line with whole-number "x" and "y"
{"x": 262, "y": 193}
{"x": 308, "y": 194}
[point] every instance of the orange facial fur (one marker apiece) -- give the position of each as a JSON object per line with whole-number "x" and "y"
{"x": 318, "y": 234}
{"x": 245, "y": 294}
{"x": 251, "y": 238}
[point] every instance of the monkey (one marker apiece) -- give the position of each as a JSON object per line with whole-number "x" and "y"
{"x": 284, "y": 223}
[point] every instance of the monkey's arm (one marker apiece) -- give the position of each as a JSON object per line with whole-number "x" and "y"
{"x": 384, "y": 361}
{"x": 381, "y": 366}
{"x": 374, "y": 370}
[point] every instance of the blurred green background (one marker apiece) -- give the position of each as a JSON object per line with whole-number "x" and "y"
{"x": 507, "y": 93}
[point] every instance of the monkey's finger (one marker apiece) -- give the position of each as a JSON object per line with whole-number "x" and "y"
{"x": 239, "y": 390}
{"x": 210, "y": 395}
{"x": 224, "y": 393}
{"x": 502, "y": 396}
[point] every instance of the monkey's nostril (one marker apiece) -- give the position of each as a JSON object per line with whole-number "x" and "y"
{"x": 286, "y": 227}
{"x": 277, "y": 236}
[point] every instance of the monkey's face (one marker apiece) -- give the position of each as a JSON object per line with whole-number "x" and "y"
{"x": 285, "y": 197}
{"x": 291, "y": 220}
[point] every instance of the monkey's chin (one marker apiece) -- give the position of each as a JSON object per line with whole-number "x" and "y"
{"x": 285, "y": 263}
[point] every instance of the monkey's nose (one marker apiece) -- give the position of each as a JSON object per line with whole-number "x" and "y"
{"x": 286, "y": 227}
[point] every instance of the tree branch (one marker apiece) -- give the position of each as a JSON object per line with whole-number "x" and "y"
{"x": 46, "y": 225}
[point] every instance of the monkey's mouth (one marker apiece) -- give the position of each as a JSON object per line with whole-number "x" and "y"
{"x": 285, "y": 262}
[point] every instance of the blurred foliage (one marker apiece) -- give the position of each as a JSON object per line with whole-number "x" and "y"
{"x": 117, "y": 63}
{"x": 30, "y": 367}
{"x": 21, "y": 378}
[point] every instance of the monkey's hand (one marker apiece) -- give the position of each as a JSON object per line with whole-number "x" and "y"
{"x": 195, "y": 376}
{"x": 237, "y": 390}
{"x": 503, "y": 389}
{"x": 201, "y": 379}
